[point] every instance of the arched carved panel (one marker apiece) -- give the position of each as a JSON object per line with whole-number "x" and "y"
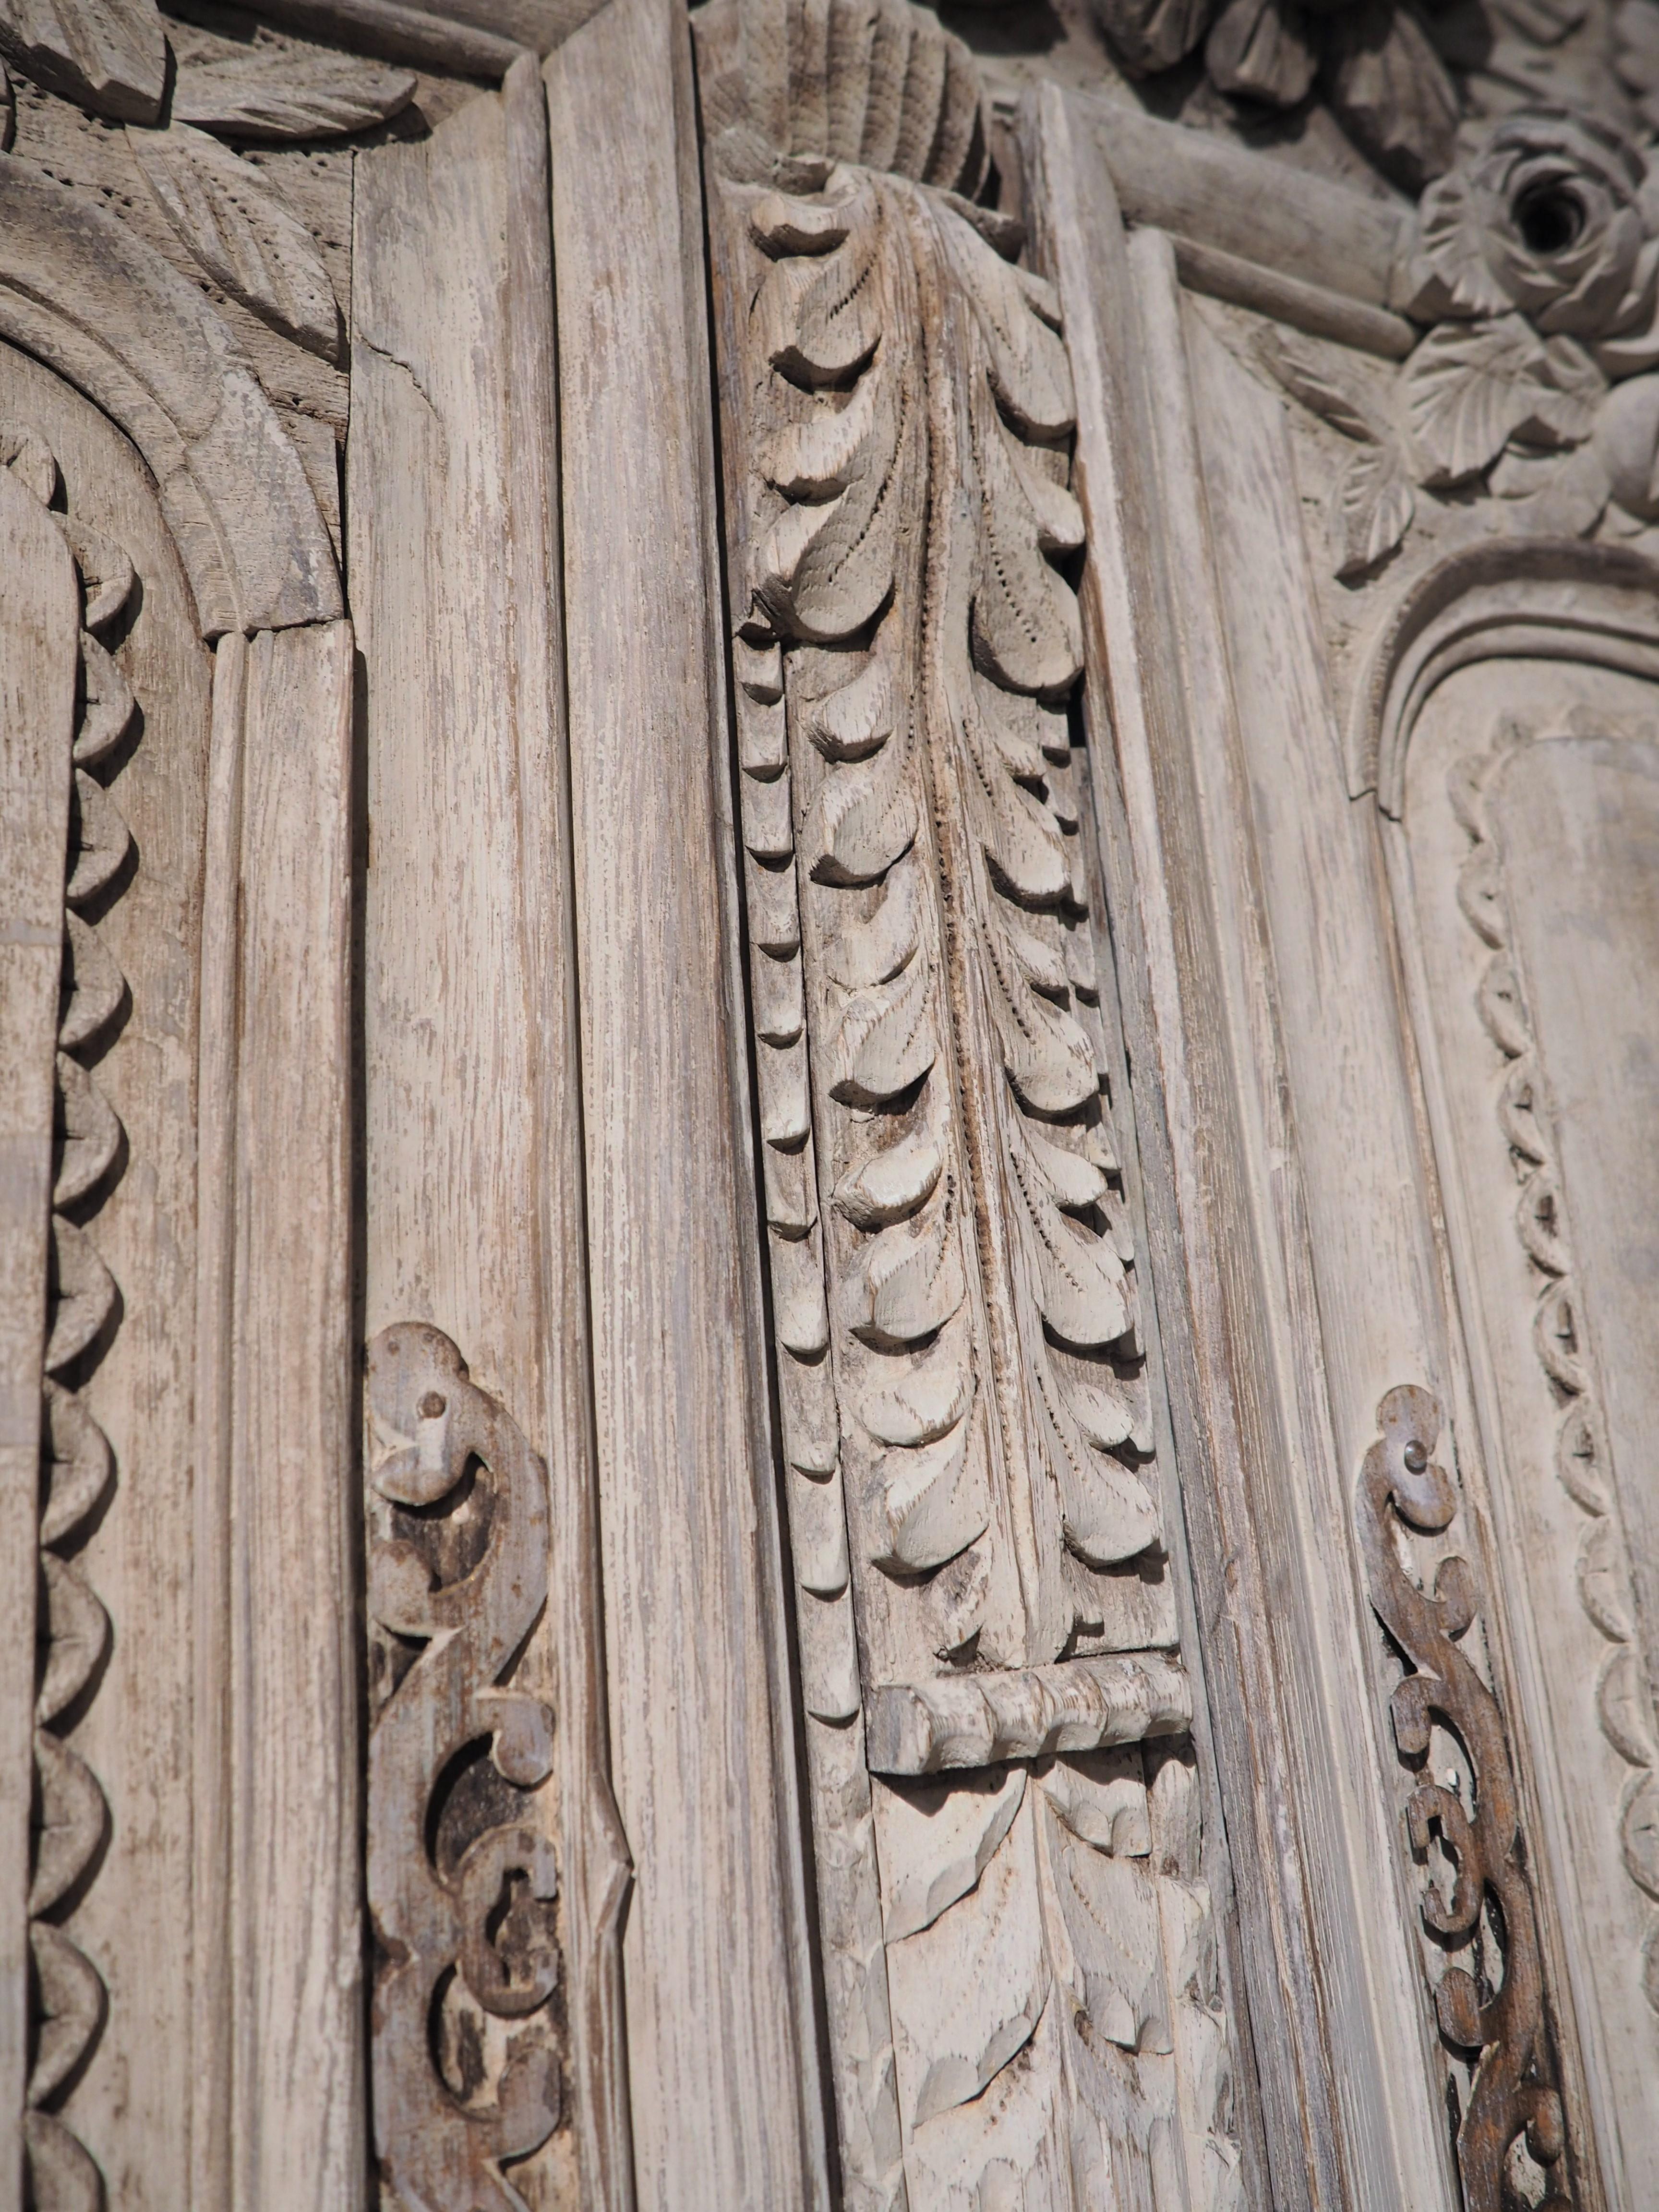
{"x": 1524, "y": 867}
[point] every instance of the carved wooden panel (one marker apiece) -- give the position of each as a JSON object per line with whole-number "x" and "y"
{"x": 1527, "y": 820}
{"x": 1024, "y": 1989}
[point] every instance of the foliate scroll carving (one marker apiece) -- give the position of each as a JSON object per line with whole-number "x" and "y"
{"x": 68, "y": 2001}
{"x": 462, "y": 1879}
{"x": 1020, "y": 2005}
{"x": 1463, "y": 1822}
{"x": 1624, "y": 1702}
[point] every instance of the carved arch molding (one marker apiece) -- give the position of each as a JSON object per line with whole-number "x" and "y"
{"x": 828, "y": 857}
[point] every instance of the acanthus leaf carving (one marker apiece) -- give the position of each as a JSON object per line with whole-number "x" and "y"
{"x": 978, "y": 1414}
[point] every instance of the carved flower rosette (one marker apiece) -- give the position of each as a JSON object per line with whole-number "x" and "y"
{"x": 1535, "y": 266}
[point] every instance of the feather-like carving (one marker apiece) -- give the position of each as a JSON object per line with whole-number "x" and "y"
{"x": 290, "y": 95}
{"x": 234, "y": 224}
{"x": 108, "y": 55}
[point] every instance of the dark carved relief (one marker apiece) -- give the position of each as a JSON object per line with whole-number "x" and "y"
{"x": 71, "y": 1817}
{"x": 1463, "y": 1822}
{"x": 468, "y": 2031}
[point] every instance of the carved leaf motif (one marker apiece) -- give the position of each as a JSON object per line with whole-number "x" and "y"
{"x": 1018, "y": 314}
{"x": 1026, "y": 629}
{"x": 862, "y": 821}
{"x": 1307, "y": 380}
{"x": 939, "y": 1837}
{"x": 1449, "y": 273}
{"x": 884, "y": 1041}
{"x": 1259, "y": 50}
{"x": 826, "y": 565}
{"x": 914, "y": 1280}
{"x": 295, "y": 95}
{"x": 969, "y": 1988}
{"x": 108, "y": 55}
{"x": 1468, "y": 389}
{"x": 239, "y": 230}
{"x": 819, "y": 311}
{"x": 1372, "y": 510}
{"x": 1390, "y": 90}
{"x": 936, "y": 1501}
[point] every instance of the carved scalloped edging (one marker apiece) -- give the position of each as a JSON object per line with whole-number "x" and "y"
{"x": 1623, "y": 1704}
{"x": 69, "y": 2002}
{"x": 468, "y": 2044}
{"x": 1488, "y": 1992}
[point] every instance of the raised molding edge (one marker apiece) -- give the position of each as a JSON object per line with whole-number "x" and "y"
{"x": 1543, "y": 598}
{"x": 1322, "y": 1943}
{"x": 699, "y": 1674}
{"x": 79, "y": 292}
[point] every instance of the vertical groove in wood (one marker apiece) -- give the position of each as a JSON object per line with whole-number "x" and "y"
{"x": 298, "y": 2123}
{"x": 39, "y": 635}
{"x": 1281, "y": 1715}
{"x": 700, "y": 1740}
{"x": 213, "y": 2014}
{"x": 596, "y": 1869}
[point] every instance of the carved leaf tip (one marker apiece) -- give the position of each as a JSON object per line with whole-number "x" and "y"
{"x": 108, "y": 55}
{"x": 234, "y": 223}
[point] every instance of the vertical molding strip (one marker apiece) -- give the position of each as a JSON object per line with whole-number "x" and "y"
{"x": 1347, "y": 2120}
{"x": 701, "y": 1738}
{"x": 596, "y": 1871}
{"x": 213, "y": 1837}
{"x": 299, "y": 2098}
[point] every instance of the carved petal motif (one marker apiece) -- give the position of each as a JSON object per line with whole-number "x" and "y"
{"x": 1259, "y": 50}
{"x": 1391, "y": 90}
{"x": 295, "y": 95}
{"x": 108, "y": 55}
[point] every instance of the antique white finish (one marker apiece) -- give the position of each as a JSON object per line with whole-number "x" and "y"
{"x": 827, "y": 859}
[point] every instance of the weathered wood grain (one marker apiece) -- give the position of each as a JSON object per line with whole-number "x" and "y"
{"x": 39, "y": 629}
{"x": 597, "y": 1870}
{"x": 427, "y": 38}
{"x": 474, "y": 1170}
{"x": 701, "y": 1738}
{"x": 299, "y": 2131}
{"x": 1157, "y": 684}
